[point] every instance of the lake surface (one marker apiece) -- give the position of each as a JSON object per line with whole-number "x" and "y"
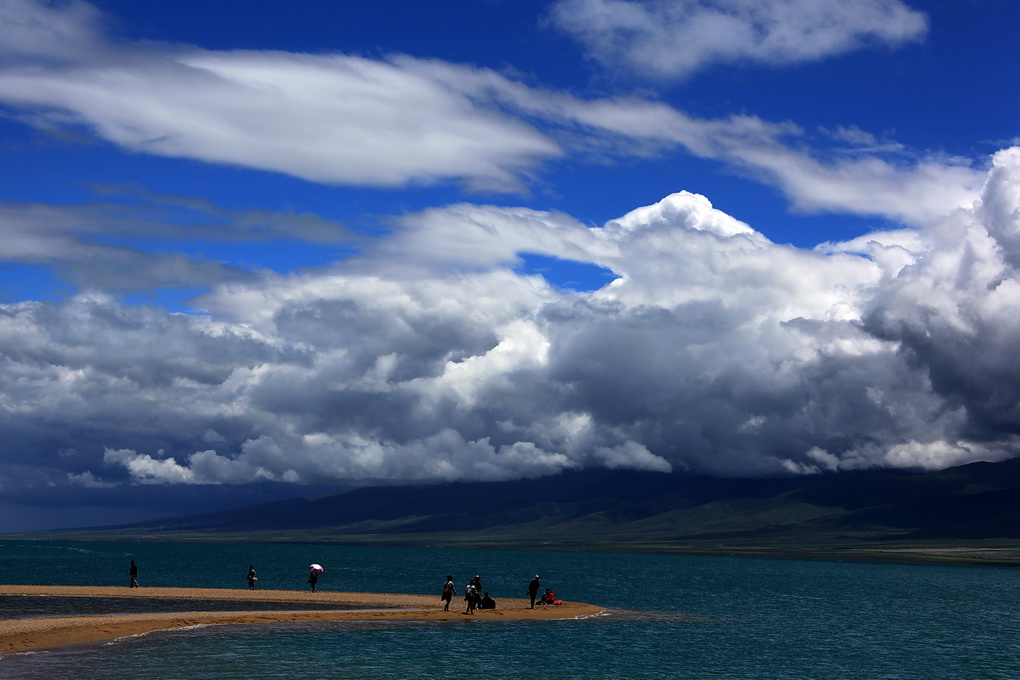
{"x": 672, "y": 616}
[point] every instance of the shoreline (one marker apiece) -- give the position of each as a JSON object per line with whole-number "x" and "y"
{"x": 20, "y": 635}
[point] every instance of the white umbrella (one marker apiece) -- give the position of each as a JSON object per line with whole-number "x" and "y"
{"x": 317, "y": 568}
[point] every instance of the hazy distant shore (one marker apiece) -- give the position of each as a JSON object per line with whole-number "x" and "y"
{"x": 955, "y": 555}
{"x": 40, "y": 633}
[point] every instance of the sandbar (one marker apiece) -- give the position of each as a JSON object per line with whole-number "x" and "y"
{"x": 53, "y": 631}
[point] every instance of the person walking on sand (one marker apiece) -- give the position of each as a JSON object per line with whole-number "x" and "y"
{"x": 447, "y": 595}
{"x": 533, "y": 589}
{"x": 252, "y": 577}
{"x": 133, "y": 573}
{"x": 314, "y": 569}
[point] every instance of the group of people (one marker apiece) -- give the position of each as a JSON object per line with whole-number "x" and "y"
{"x": 313, "y": 576}
{"x": 474, "y": 596}
{"x": 475, "y": 599}
{"x": 251, "y": 578}
{"x": 548, "y": 597}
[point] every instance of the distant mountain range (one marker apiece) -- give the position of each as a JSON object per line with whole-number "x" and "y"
{"x": 625, "y": 510}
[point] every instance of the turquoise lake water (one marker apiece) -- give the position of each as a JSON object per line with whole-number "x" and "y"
{"x": 672, "y": 616}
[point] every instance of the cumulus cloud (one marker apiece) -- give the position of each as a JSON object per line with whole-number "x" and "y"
{"x": 677, "y": 38}
{"x": 400, "y": 120}
{"x": 956, "y": 302}
{"x": 713, "y": 350}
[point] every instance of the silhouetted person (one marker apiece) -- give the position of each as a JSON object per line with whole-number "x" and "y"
{"x": 313, "y": 578}
{"x": 447, "y": 595}
{"x": 486, "y": 602}
{"x": 471, "y": 597}
{"x": 533, "y": 589}
{"x": 252, "y": 577}
{"x": 133, "y": 573}
{"x": 477, "y": 583}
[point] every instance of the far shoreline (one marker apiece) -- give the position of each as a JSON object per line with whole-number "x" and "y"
{"x": 20, "y": 635}
{"x": 978, "y": 553}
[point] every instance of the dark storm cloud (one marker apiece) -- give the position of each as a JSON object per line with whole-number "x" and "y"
{"x": 952, "y": 313}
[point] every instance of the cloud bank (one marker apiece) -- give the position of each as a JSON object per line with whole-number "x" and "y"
{"x": 430, "y": 357}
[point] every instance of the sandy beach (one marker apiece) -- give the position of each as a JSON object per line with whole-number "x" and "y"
{"x": 40, "y": 633}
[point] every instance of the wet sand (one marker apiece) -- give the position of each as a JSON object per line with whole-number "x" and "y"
{"x": 40, "y": 633}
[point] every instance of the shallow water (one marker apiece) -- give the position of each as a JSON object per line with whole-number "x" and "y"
{"x": 675, "y": 617}
{"x": 32, "y": 606}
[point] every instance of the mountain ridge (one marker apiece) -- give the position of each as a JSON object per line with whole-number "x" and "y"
{"x": 632, "y": 510}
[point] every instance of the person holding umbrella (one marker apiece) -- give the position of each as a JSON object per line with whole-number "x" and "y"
{"x": 313, "y": 574}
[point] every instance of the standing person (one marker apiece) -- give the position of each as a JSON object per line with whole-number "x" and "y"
{"x": 471, "y": 597}
{"x": 448, "y": 589}
{"x": 252, "y": 577}
{"x": 533, "y": 589}
{"x": 133, "y": 573}
{"x": 314, "y": 569}
{"x": 477, "y": 583}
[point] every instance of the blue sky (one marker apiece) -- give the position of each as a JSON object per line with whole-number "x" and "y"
{"x": 265, "y": 251}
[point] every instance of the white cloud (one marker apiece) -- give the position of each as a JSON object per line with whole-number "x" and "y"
{"x": 919, "y": 193}
{"x": 339, "y": 119}
{"x": 632, "y": 456}
{"x": 675, "y": 39}
{"x": 1000, "y": 204}
{"x": 331, "y": 119}
{"x": 952, "y": 314}
{"x": 914, "y": 191}
{"x": 936, "y": 455}
{"x": 89, "y": 480}
{"x": 58, "y": 35}
{"x": 145, "y": 469}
